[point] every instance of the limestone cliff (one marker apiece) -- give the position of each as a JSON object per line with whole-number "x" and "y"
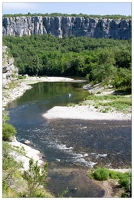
{"x": 9, "y": 71}
{"x": 67, "y": 26}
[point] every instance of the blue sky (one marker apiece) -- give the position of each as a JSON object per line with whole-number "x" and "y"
{"x": 100, "y": 8}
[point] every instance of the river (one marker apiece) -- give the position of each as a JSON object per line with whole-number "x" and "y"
{"x": 69, "y": 144}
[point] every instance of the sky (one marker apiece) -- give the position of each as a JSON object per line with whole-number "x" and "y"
{"x": 76, "y": 7}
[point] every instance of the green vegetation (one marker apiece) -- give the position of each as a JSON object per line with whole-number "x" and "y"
{"x": 5, "y": 116}
{"x": 8, "y": 130}
{"x": 16, "y": 183}
{"x": 68, "y": 15}
{"x": 35, "y": 177}
{"x": 71, "y": 104}
{"x": 99, "y": 60}
{"x": 21, "y": 77}
{"x": 108, "y": 102}
{"x": 10, "y": 172}
{"x": 12, "y": 84}
{"x": 30, "y": 183}
{"x": 101, "y": 174}
{"x": 124, "y": 179}
{"x": 105, "y": 61}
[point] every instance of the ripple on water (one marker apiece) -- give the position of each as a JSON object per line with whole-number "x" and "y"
{"x": 103, "y": 141}
{"x": 70, "y": 143}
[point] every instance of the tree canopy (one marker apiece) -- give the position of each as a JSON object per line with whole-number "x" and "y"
{"x": 69, "y": 15}
{"x": 100, "y": 60}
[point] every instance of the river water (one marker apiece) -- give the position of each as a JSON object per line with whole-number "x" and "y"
{"x": 69, "y": 144}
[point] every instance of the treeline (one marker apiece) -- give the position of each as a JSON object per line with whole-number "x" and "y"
{"x": 69, "y": 15}
{"x": 99, "y": 60}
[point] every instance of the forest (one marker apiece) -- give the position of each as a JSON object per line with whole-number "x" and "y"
{"x": 105, "y": 61}
{"x": 69, "y": 15}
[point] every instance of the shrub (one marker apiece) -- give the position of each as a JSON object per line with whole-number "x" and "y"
{"x": 115, "y": 175}
{"x": 71, "y": 105}
{"x": 101, "y": 174}
{"x": 21, "y": 77}
{"x": 125, "y": 180}
{"x": 10, "y": 172}
{"x": 5, "y": 116}
{"x": 8, "y": 131}
{"x": 35, "y": 178}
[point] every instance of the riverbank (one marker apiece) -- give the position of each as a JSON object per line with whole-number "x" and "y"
{"x": 10, "y": 94}
{"x": 80, "y": 178}
{"x": 83, "y": 112}
{"x": 19, "y": 87}
{"x": 32, "y": 80}
{"x": 29, "y": 153}
{"x": 75, "y": 112}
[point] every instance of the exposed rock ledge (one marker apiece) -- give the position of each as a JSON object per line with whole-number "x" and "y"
{"x": 67, "y": 26}
{"x": 30, "y": 153}
{"x": 10, "y": 95}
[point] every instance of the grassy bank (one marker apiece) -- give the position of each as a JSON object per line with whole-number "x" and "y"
{"x": 121, "y": 182}
{"x": 110, "y": 103}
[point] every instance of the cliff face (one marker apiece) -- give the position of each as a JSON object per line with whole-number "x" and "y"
{"x": 9, "y": 71}
{"x": 67, "y": 26}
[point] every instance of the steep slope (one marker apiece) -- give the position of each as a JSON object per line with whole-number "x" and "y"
{"x": 67, "y": 26}
{"x": 9, "y": 71}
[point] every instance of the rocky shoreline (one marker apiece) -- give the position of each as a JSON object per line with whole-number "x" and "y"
{"x": 10, "y": 94}
{"x": 30, "y": 153}
{"x": 63, "y": 112}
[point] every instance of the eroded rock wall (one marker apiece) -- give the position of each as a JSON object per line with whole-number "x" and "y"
{"x": 67, "y": 26}
{"x": 9, "y": 71}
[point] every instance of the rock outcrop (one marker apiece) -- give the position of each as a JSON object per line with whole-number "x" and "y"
{"x": 9, "y": 71}
{"x": 67, "y": 26}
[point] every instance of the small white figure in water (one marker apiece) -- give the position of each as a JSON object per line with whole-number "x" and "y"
{"x": 58, "y": 159}
{"x": 69, "y": 95}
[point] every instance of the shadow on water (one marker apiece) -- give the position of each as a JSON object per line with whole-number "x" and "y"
{"x": 75, "y": 182}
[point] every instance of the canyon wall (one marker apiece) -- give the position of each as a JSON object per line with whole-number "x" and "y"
{"x": 67, "y": 26}
{"x": 9, "y": 71}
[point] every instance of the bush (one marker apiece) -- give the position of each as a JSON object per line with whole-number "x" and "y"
{"x": 124, "y": 182}
{"x": 21, "y": 77}
{"x": 101, "y": 174}
{"x": 8, "y": 131}
{"x": 35, "y": 177}
{"x": 124, "y": 179}
{"x": 114, "y": 175}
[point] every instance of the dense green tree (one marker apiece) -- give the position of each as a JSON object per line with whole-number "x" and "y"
{"x": 100, "y": 60}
